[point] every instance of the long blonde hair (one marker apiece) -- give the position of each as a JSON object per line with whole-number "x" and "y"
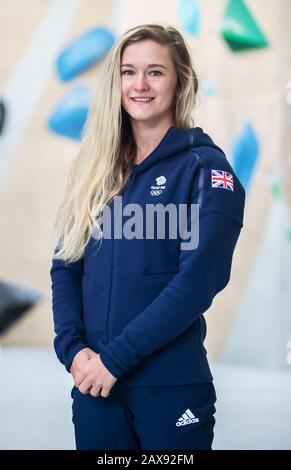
{"x": 107, "y": 149}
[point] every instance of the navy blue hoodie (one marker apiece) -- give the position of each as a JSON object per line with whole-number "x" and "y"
{"x": 139, "y": 302}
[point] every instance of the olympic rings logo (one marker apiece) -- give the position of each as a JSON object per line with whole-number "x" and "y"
{"x": 155, "y": 192}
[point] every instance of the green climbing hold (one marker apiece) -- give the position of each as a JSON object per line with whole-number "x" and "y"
{"x": 276, "y": 190}
{"x": 275, "y": 186}
{"x": 239, "y": 28}
{"x": 274, "y": 183}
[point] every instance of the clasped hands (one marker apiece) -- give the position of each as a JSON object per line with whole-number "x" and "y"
{"x": 90, "y": 375}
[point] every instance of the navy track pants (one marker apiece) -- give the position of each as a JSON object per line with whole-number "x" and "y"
{"x": 137, "y": 418}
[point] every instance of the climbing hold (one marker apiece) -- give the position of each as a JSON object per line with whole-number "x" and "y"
{"x": 244, "y": 155}
{"x": 208, "y": 88}
{"x": 189, "y": 15}
{"x": 15, "y": 301}
{"x": 275, "y": 186}
{"x": 84, "y": 52}
{"x": 2, "y": 115}
{"x": 239, "y": 28}
{"x": 70, "y": 115}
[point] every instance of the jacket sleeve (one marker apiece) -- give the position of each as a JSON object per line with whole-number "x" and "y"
{"x": 203, "y": 272}
{"x": 67, "y": 306}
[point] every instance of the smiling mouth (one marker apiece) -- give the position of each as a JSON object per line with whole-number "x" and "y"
{"x": 142, "y": 100}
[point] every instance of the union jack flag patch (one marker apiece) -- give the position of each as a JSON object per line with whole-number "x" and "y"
{"x": 221, "y": 179}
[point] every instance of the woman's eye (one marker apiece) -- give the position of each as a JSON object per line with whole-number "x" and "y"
{"x": 124, "y": 71}
{"x": 152, "y": 71}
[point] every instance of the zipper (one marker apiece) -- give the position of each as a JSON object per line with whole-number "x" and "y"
{"x": 113, "y": 257}
{"x": 111, "y": 290}
{"x": 131, "y": 178}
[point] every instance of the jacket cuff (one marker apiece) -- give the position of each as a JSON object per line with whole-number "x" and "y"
{"x": 115, "y": 369}
{"x": 72, "y": 353}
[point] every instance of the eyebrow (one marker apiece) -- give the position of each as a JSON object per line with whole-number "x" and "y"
{"x": 149, "y": 66}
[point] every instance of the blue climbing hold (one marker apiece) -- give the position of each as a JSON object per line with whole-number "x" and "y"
{"x": 69, "y": 117}
{"x": 84, "y": 52}
{"x": 189, "y": 15}
{"x": 244, "y": 155}
{"x": 208, "y": 88}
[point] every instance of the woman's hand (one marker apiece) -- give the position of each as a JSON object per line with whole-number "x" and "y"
{"x": 79, "y": 362}
{"x": 90, "y": 375}
{"x": 97, "y": 380}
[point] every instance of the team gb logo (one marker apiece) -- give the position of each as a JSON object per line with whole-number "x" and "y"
{"x": 157, "y": 190}
{"x": 161, "y": 180}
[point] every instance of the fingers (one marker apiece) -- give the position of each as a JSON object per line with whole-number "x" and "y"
{"x": 78, "y": 381}
{"x": 85, "y": 387}
{"x": 78, "y": 378}
{"x": 95, "y": 390}
{"x": 105, "y": 392}
{"x": 99, "y": 390}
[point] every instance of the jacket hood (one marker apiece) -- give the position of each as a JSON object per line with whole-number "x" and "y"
{"x": 176, "y": 140}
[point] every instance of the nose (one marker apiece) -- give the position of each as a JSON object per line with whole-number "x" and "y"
{"x": 141, "y": 82}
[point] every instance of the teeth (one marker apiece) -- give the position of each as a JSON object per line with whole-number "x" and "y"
{"x": 146, "y": 100}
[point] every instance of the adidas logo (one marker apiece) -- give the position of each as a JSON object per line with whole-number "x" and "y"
{"x": 187, "y": 418}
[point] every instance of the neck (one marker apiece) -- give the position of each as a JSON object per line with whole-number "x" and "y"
{"x": 147, "y": 138}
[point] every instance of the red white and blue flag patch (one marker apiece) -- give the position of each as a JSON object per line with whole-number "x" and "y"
{"x": 221, "y": 179}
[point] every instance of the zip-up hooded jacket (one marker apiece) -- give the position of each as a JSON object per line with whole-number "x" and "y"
{"x": 139, "y": 302}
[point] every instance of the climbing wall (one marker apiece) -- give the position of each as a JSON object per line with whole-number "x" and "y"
{"x": 51, "y": 54}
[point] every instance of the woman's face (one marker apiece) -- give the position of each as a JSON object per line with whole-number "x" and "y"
{"x": 147, "y": 71}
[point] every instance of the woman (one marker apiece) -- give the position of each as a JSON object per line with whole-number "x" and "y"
{"x": 128, "y": 303}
